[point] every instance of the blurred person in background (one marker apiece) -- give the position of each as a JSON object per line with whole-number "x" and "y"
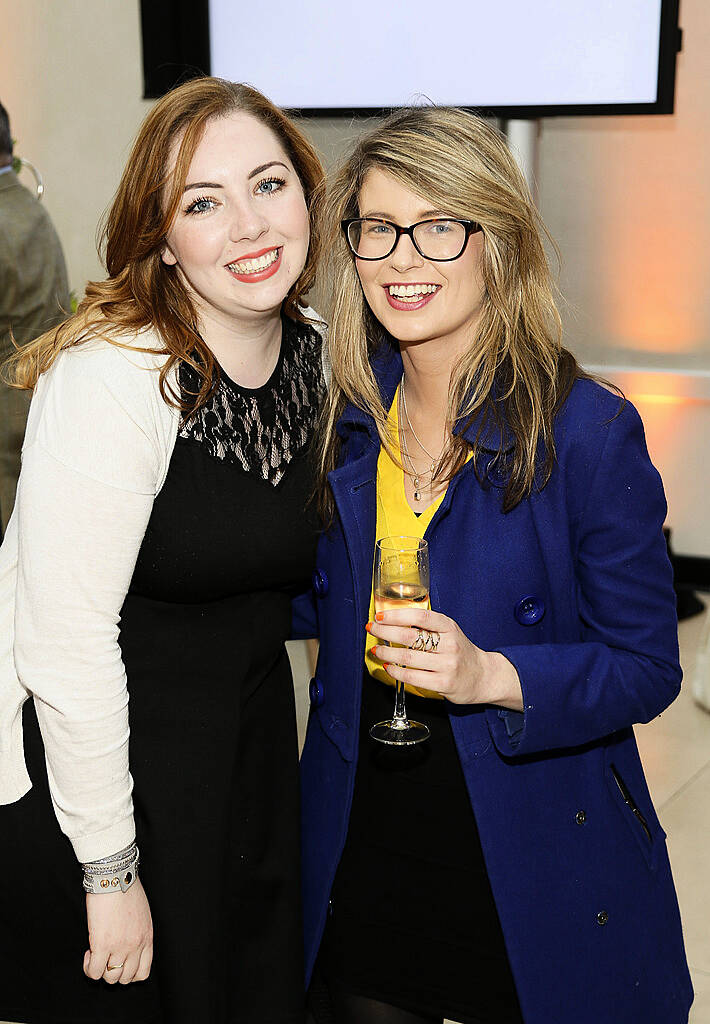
{"x": 34, "y": 296}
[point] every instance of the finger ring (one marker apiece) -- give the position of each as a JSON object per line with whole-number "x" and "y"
{"x": 435, "y": 638}
{"x": 115, "y": 967}
{"x": 420, "y": 641}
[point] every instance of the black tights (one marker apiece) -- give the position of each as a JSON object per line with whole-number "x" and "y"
{"x": 351, "y": 1009}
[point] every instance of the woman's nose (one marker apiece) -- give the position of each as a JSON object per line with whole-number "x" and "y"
{"x": 405, "y": 255}
{"x": 247, "y": 223}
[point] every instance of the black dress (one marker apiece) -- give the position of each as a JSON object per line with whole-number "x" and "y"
{"x": 412, "y": 918}
{"x": 213, "y": 746}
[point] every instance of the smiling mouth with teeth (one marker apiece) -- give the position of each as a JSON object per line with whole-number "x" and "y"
{"x": 256, "y": 265}
{"x": 411, "y": 292}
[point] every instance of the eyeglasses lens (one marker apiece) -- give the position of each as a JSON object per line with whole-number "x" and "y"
{"x": 440, "y": 239}
{"x": 371, "y": 239}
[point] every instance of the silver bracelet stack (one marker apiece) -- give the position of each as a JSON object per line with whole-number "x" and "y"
{"x": 112, "y": 873}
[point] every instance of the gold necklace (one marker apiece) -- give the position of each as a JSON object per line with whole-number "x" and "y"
{"x": 416, "y": 476}
{"x": 416, "y": 479}
{"x": 406, "y": 458}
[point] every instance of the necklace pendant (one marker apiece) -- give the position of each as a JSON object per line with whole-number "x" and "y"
{"x": 417, "y": 492}
{"x": 417, "y": 496}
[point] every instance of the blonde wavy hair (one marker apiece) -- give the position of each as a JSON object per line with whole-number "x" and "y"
{"x": 515, "y": 370}
{"x": 141, "y": 290}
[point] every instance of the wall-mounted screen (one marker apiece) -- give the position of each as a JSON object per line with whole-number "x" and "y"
{"x": 510, "y": 57}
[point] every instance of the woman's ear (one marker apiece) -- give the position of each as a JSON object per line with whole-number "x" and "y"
{"x": 168, "y": 256}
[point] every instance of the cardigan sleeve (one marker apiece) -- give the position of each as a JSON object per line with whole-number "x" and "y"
{"x": 625, "y": 669}
{"x": 89, "y": 475}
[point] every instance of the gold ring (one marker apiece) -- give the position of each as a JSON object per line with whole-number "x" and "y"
{"x": 115, "y": 967}
{"x": 420, "y": 641}
{"x": 434, "y": 642}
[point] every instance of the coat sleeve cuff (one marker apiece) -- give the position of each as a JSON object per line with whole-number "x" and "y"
{"x": 574, "y": 694}
{"x": 508, "y": 728}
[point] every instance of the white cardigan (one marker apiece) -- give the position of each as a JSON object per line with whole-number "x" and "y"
{"x": 96, "y": 453}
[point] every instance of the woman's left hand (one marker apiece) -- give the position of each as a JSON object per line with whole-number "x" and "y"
{"x": 456, "y": 668}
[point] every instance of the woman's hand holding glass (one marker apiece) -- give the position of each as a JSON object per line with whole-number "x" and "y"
{"x": 457, "y": 669}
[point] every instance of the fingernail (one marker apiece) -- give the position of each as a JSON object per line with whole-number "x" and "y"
{"x": 368, "y": 627}
{"x": 380, "y": 616}
{"x": 387, "y": 668}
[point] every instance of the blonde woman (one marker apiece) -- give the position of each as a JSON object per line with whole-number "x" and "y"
{"x": 512, "y": 866}
{"x": 159, "y": 534}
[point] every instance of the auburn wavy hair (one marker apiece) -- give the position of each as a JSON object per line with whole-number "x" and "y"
{"x": 141, "y": 290}
{"x": 515, "y": 370}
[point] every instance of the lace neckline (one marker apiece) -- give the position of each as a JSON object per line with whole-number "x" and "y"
{"x": 262, "y": 429}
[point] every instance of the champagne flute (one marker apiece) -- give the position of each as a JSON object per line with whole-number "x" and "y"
{"x": 401, "y": 581}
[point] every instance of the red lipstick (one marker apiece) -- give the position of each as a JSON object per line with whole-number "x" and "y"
{"x": 257, "y": 275}
{"x": 397, "y": 303}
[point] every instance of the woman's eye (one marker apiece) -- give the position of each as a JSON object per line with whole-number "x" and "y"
{"x": 379, "y": 229}
{"x": 201, "y": 205}
{"x": 269, "y": 185}
{"x": 440, "y": 227}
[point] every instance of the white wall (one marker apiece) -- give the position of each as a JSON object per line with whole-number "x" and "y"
{"x": 71, "y": 80}
{"x": 626, "y": 198}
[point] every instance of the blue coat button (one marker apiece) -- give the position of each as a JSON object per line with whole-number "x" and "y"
{"x": 529, "y": 610}
{"x": 320, "y": 582}
{"x": 316, "y": 693}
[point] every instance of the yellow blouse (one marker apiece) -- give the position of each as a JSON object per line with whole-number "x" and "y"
{"x": 395, "y": 518}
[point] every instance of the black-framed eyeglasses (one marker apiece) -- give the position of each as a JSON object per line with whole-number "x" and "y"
{"x": 440, "y": 239}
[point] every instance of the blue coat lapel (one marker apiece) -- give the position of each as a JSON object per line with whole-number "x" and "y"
{"x": 355, "y": 491}
{"x": 354, "y": 483}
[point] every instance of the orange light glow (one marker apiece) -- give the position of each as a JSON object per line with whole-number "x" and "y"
{"x": 667, "y": 404}
{"x": 651, "y": 399}
{"x": 653, "y": 213}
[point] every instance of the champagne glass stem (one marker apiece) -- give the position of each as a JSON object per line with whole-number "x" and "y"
{"x": 400, "y": 712}
{"x": 400, "y": 580}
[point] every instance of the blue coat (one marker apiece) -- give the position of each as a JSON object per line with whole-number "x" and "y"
{"x": 574, "y": 587}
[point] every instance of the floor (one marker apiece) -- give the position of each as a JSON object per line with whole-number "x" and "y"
{"x": 675, "y": 749}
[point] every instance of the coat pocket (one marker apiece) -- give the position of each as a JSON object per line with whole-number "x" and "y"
{"x": 629, "y": 801}
{"x": 640, "y": 818}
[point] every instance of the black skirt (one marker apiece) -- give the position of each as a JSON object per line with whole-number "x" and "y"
{"x": 413, "y": 922}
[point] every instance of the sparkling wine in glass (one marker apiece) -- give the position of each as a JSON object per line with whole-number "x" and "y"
{"x": 401, "y": 581}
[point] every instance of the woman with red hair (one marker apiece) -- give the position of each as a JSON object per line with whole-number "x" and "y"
{"x": 159, "y": 534}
